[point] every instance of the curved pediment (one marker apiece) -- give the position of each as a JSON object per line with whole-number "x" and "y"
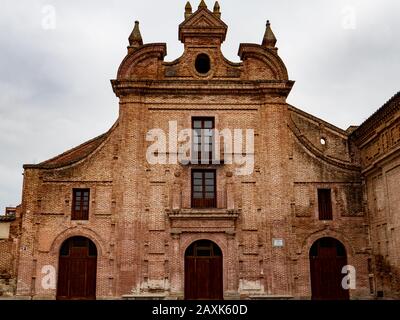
{"x": 262, "y": 63}
{"x": 148, "y": 63}
{"x": 142, "y": 63}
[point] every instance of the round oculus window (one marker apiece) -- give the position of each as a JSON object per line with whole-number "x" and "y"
{"x": 203, "y": 63}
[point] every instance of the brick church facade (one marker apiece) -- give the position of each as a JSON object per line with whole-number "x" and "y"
{"x": 106, "y": 223}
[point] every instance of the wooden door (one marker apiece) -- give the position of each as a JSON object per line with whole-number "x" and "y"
{"x": 327, "y": 258}
{"x": 77, "y": 269}
{"x": 203, "y": 272}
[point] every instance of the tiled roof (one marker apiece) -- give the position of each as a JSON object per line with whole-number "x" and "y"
{"x": 378, "y": 116}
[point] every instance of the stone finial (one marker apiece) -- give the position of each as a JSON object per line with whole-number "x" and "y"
{"x": 188, "y": 10}
{"x": 217, "y": 9}
{"x": 202, "y": 5}
{"x": 269, "y": 39}
{"x": 135, "y": 39}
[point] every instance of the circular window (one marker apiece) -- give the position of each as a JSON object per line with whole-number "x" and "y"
{"x": 203, "y": 63}
{"x": 323, "y": 141}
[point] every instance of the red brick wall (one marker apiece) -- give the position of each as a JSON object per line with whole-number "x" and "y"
{"x": 378, "y": 139}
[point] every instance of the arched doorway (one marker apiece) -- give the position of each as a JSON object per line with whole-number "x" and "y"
{"x": 327, "y": 258}
{"x": 203, "y": 271}
{"x": 77, "y": 268}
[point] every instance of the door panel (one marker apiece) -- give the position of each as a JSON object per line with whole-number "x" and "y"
{"x": 203, "y": 278}
{"x": 77, "y": 278}
{"x": 216, "y": 280}
{"x": 190, "y": 278}
{"x": 63, "y": 274}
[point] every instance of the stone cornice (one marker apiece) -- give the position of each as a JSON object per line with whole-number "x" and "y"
{"x": 380, "y": 161}
{"x": 217, "y": 87}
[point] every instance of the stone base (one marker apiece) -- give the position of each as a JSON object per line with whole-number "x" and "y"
{"x": 43, "y": 298}
{"x": 145, "y": 296}
{"x": 269, "y": 297}
{"x": 15, "y": 298}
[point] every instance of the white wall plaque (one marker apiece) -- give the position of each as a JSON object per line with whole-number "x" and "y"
{"x": 277, "y": 242}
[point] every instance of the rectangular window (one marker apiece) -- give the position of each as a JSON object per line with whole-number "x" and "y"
{"x": 324, "y": 204}
{"x": 203, "y": 140}
{"x": 204, "y": 189}
{"x": 80, "y": 204}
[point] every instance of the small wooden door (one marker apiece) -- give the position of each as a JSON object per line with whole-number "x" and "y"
{"x": 77, "y": 269}
{"x": 327, "y": 258}
{"x": 203, "y": 271}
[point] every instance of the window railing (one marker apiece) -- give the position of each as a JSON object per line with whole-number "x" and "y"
{"x": 182, "y": 199}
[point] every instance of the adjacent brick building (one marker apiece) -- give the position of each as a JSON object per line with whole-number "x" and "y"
{"x": 105, "y": 223}
{"x": 378, "y": 142}
{"x": 10, "y": 232}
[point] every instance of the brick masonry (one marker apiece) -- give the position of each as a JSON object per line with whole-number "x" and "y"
{"x": 378, "y": 141}
{"x": 11, "y": 222}
{"x": 140, "y": 216}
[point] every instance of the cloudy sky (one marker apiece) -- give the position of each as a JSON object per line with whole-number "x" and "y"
{"x": 58, "y": 56}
